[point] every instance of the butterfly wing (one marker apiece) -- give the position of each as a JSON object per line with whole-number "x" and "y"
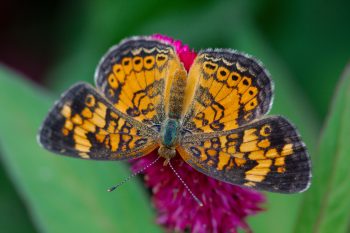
{"x": 84, "y": 124}
{"x": 226, "y": 90}
{"x": 267, "y": 154}
{"x": 136, "y": 75}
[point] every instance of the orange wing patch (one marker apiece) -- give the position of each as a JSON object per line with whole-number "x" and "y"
{"x": 226, "y": 90}
{"x": 266, "y": 154}
{"x": 83, "y": 124}
{"x": 135, "y": 76}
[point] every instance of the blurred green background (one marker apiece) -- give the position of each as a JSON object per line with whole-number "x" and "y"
{"x": 53, "y": 44}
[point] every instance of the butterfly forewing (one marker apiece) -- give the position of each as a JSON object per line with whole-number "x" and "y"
{"x": 226, "y": 90}
{"x": 84, "y": 124}
{"x": 135, "y": 76}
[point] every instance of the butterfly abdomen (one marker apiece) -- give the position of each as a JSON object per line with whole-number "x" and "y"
{"x": 177, "y": 91}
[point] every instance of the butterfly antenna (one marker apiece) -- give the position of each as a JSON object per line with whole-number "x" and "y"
{"x": 186, "y": 186}
{"x": 132, "y": 175}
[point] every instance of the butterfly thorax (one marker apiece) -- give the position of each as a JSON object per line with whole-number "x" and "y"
{"x": 169, "y": 133}
{"x": 169, "y": 136}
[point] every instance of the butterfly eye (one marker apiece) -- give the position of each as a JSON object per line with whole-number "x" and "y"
{"x": 90, "y": 100}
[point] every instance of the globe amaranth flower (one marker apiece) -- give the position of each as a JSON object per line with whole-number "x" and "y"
{"x": 225, "y": 206}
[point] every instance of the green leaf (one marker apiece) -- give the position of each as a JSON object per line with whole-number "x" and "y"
{"x": 14, "y": 216}
{"x": 326, "y": 207}
{"x": 63, "y": 194}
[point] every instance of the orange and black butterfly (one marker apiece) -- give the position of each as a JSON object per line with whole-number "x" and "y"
{"x": 213, "y": 116}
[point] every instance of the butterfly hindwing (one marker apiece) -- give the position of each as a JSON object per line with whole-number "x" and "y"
{"x": 267, "y": 154}
{"x": 84, "y": 124}
{"x": 135, "y": 76}
{"x": 226, "y": 90}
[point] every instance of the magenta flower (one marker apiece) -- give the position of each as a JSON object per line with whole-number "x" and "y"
{"x": 225, "y": 207}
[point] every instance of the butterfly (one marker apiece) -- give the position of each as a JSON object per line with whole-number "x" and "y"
{"x": 213, "y": 116}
